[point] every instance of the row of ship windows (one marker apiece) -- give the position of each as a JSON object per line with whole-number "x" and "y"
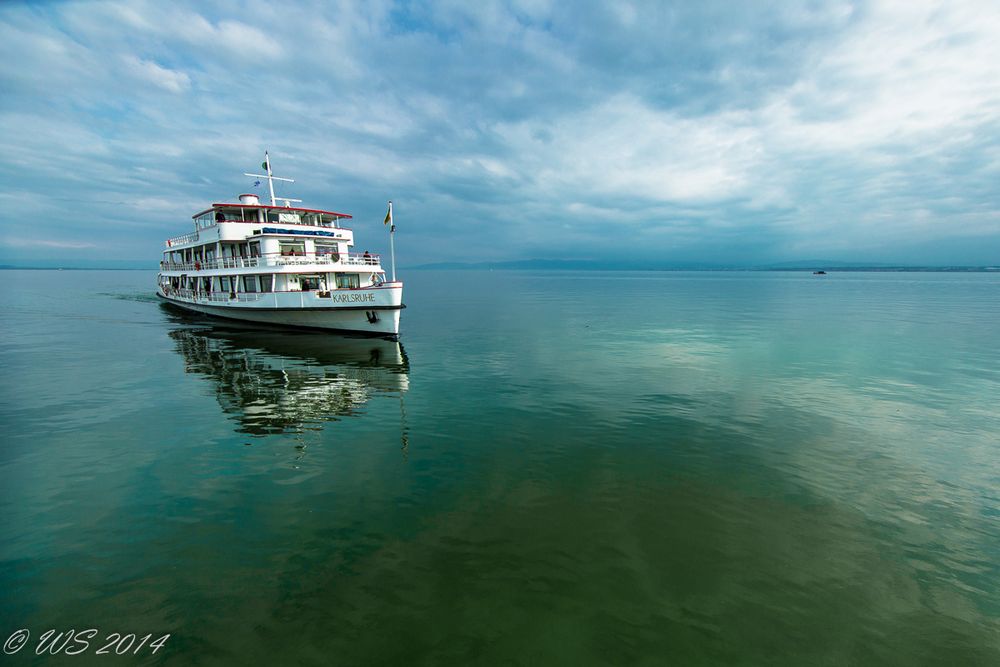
{"x": 285, "y": 248}
{"x": 263, "y": 283}
{"x": 251, "y": 215}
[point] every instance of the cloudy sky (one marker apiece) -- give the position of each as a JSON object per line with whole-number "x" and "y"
{"x": 674, "y": 132}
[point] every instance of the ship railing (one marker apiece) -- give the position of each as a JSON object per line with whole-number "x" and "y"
{"x": 238, "y": 296}
{"x": 293, "y": 258}
{"x": 214, "y": 263}
{"x": 223, "y": 297}
{"x": 181, "y": 240}
{"x": 351, "y": 259}
{"x": 301, "y": 223}
{"x": 236, "y": 262}
{"x": 275, "y": 259}
{"x": 362, "y": 259}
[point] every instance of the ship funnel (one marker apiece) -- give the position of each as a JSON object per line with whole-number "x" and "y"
{"x": 250, "y": 200}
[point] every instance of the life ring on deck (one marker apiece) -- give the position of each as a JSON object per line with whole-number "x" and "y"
{"x": 197, "y": 266}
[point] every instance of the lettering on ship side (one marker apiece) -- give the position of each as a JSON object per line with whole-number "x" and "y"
{"x": 352, "y": 298}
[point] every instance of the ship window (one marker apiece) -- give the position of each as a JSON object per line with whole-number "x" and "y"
{"x": 348, "y": 280}
{"x": 327, "y": 250}
{"x": 249, "y": 283}
{"x": 266, "y": 282}
{"x": 224, "y": 282}
{"x": 255, "y": 249}
{"x": 292, "y": 247}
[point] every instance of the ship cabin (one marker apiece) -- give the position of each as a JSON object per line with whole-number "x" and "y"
{"x": 242, "y": 250}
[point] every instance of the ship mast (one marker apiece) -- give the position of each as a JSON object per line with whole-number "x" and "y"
{"x": 270, "y": 181}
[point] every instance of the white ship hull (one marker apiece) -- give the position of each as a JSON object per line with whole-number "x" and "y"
{"x": 373, "y": 312}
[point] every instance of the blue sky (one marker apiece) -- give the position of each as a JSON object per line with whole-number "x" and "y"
{"x": 669, "y": 132}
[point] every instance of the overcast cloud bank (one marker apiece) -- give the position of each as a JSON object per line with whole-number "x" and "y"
{"x": 673, "y": 132}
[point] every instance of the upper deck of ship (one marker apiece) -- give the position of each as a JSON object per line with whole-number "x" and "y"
{"x": 231, "y": 220}
{"x": 228, "y": 220}
{"x": 246, "y": 211}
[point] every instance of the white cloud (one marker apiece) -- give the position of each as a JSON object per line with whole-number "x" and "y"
{"x": 246, "y": 40}
{"x": 170, "y": 80}
{"x": 624, "y": 148}
{"x": 907, "y": 70}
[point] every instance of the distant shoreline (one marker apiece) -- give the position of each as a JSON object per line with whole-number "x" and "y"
{"x": 574, "y": 266}
{"x": 75, "y": 268}
{"x": 796, "y": 266}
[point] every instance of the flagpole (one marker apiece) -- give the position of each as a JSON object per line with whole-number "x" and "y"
{"x": 392, "y": 246}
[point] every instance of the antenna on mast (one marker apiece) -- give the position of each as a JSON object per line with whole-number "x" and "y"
{"x": 266, "y": 165}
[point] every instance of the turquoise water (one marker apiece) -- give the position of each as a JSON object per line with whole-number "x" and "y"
{"x": 552, "y": 468}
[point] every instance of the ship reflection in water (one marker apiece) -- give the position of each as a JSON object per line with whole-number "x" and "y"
{"x": 274, "y": 382}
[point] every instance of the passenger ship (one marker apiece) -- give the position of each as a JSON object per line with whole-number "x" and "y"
{"x": 282, "y": 265}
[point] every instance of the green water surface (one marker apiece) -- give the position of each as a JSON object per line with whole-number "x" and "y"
{"x": 551, "y": 469}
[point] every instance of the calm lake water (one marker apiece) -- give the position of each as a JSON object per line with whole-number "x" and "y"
{"x": 552, "y": 468}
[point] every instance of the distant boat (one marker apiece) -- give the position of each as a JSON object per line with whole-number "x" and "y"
{"x": 819, "y": 273}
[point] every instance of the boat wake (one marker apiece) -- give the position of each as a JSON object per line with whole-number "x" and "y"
{"x": 140, "y": 297}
